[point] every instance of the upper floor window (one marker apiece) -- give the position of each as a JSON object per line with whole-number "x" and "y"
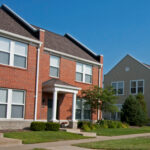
{"x": 118, "y": 87}
{"x": 83, "y": 73}
{"x": 13, "y": 53}
{"x": 137, "y": 86}
{"x": 54, "y": 66}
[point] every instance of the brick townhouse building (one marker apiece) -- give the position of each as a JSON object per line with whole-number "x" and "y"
{"x": 42, "y": 74}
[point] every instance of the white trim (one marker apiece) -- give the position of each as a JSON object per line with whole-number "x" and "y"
{"x": 3, "y": 32}
{"x": 117, "y": 94}
{"x": 71, "y": 56}
{"x": 137, "y": 86}
{"x": 67, "y": 87}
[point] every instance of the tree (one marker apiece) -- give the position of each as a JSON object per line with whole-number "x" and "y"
{"x": 132, "y": 111}
{"x": 100, "y": 98}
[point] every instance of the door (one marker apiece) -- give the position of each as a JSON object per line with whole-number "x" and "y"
{"x": 49, "y": 112}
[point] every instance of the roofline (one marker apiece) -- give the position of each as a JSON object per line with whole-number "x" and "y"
{"x": 18, "y": 17}
{"x": 71, "y": 56}
{"x": 81, "y": 44}
{"x": 132, "y": 58}
{"x": 3, "y": 32}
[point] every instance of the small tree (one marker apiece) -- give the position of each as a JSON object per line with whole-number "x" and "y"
{"x": 132, "y": 111}
{"x": 100, "y": 98}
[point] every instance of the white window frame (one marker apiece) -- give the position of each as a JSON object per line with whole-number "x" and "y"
{"x": 117, "y": 82}
{"x": 9, "y": 104}
{"x": 12, "y": 53}
{"x": 137, "y": 86}
{"x": 84, "y": 72}
{"x": 54, "y": 67}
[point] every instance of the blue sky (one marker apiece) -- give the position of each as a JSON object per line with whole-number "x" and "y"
{"x": 113, "y": 28}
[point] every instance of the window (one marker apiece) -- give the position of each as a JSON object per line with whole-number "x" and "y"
{"x": 118, "y": 87}
{"x": 13, "y": 53}
{"x": 137, "y": 86}
{"x": 83, "y": 73}
{"x": 54, "y": 66}
{"x": 11, "y": 103}
{"x": 83, "y": 110}
{"x": 116, "y": 115}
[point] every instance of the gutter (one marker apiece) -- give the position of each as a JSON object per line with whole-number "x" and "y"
{"x": 37, "y": 81}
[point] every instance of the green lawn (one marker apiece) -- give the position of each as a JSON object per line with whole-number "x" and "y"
{"x": 42, "y": 136}
{"x": 121, "y": 131}
{"x": 124, "y": 144}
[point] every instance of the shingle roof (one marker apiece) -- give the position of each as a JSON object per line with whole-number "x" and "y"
{"x": 147, "y": 65}
{"x": 11, "y": 22}
{"x": 8, "y": 23}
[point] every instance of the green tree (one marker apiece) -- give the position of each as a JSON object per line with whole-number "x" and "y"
{"x": 132, "y": 111}
{"x": 100, "y": 98}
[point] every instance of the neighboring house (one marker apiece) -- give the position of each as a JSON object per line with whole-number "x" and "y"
{"x": 129, "y": 76}
{"x": 42, "y": 74}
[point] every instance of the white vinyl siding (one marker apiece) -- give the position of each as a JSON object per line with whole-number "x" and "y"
{"x": 83, "y": 73}
{"x": 118, "y": 87}
{"x": 137, "y": 86}
{"x": 54, "y": 66}
{"x": 13, "y": 53}
{"x": 12, "y": 103}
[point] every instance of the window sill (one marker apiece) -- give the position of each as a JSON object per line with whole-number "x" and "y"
{"x": 13, "y": 67}
{"x": 83, "y": 82}
{"x": 54, "y": 77}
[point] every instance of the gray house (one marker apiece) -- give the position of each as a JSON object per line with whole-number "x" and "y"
{"x": 129, "y": 76}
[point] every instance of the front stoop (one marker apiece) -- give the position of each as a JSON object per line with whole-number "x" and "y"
{"x": 8, "y": 141}
{"x": 78, "y": 131}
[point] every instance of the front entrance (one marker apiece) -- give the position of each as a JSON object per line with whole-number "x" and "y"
{"x": 50, "y": 107}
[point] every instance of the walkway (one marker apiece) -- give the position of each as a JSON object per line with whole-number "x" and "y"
{"x": 66, "y": 145}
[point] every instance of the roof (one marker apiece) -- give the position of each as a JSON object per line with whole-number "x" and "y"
{"x": 58, "y": 83}
{"x": 12, "y": 22}
{"x": 147, "y": 65}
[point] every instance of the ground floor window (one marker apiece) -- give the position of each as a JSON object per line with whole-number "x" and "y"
{"x": 12, "y": 103}
{"x": 83, "y": 110}
{"x": 116, "y": 115}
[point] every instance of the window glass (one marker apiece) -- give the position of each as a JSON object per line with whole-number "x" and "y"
{"x": 114, "y": 85}
{"x": 54, "y": 72}
{"x": 120, "y": 87}
{"x": 88, "y": 69}
{"x": 79, "y": 67}
{"x": 3, "y": 110}
{"x": 20, "y": 61}
{"x": 54, "y": 61}
{"x": 88, "y": 78}
{"x": 17, "y": 111}
{"x": 137, "y": 86}
{"x": 4, "y": 44}
{"x": 4, "y": 58}
{"x": 3, "y": 96}
{"x": 20, "y": 48}
{"x": 18, "y": 97}
{"x": 79, "y": 76}
{"x": 133, "y": 84}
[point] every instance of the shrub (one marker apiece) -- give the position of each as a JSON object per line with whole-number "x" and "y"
{"x": 81, "y": 123}
{"x": 51, "y": 126}
{"x": 38, "y": 126}
{"x": 133, "y": 111}
{"x": 85, "y": 127}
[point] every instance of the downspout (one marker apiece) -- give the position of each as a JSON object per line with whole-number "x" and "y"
{"x": 99, "y": 82}
{"x": 37, "y": 81}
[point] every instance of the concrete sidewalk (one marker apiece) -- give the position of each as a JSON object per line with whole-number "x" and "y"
{"x": 66, "y": 145}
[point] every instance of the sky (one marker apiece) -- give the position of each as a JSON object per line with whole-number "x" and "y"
{"x": 113, "y": 28}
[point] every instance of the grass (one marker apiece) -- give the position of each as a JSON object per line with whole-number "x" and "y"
{"x": 31, "y": 137}
{"x": 142, "y": 143}
{"x": 121, "y": 131}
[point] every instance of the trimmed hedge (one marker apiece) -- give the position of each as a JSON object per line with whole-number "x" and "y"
{"x": 38, "y": 126}
{"x": 51, "y": 126}
{"x": 41, "y": 126}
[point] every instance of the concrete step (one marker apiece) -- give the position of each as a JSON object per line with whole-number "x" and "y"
{"x": 9, "y": 142}
{"x": 89, "y": 134}
{"x": 1, "y": 135}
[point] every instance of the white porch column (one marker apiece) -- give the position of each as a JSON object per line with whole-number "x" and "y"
{"x": 54, "y": 109}
{"x": 74, "y": 107}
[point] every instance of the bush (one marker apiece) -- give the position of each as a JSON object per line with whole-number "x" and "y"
{"x": 81, "y": 123}
{"x": 85, "y": 127}
{"x": 133, "y": 111}
{"x": 51, "y": 126}
{"x": 38, "y": 126}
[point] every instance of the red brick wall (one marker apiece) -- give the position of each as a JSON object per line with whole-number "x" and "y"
{"x": 15, "y": 78}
